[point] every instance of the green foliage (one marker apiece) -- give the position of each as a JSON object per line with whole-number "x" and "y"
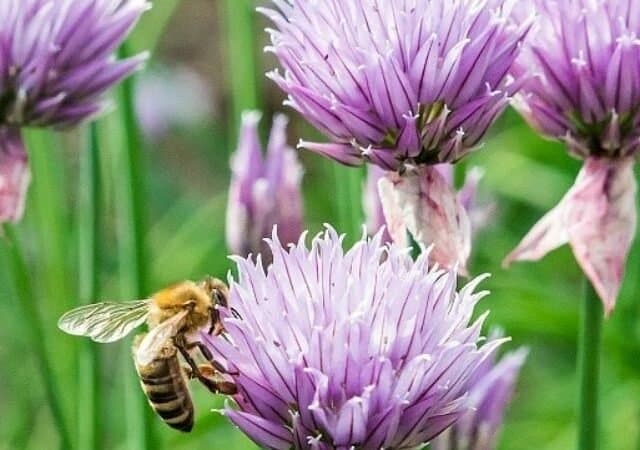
{"x": 537, "y": 304}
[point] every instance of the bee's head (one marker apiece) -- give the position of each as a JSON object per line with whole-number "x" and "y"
{"x": 217, "y": 291}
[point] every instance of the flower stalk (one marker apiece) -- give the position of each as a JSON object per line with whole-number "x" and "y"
{"x": 589, "y": 341}
{"x": 129, "y": 202}
{"x": 26, "y": 298}
{"x": 89, "y": 367}
{"x": 348, "y": 189}
{"x": 241, "y": 34}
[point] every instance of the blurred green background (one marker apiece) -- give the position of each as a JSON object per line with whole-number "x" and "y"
{"x": 215, "y": 50}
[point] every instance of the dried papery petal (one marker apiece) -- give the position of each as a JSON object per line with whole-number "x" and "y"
{"x": 422, "y": 202}
{"x": 374, "y": 214}
{"x": 597, "y": 217}
{"x": 14, "y": 175}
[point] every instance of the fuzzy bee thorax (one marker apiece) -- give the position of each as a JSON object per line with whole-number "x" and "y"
{"x": 174, "y": 299}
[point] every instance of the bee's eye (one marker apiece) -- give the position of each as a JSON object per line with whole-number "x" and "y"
{"x": 220, "y": 298}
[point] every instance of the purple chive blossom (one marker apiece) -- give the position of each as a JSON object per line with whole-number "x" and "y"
{"x": 490, "y": 391}
{"x": 56, "y": 62}
{"x": 395, "y": 82}
{"x": 334, "y": 349}
{"x": 423, "y": 203}
{"x": 157, "y": 108}
{"x": 265, "y": 190}
{"x": 585, "y": 92}
{"x": 398, "y": 83}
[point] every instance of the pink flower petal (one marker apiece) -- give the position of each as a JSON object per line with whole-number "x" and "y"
{"x": 597, "y": 217}
{"x": 14, "y": 175}
{"x": 422, "y": 202}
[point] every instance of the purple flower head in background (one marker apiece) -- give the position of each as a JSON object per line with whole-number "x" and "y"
{"x": 400, "y": 84}
{"x": 335, "y": 349}
{"x": 265, "y": 190}
{"x": 56, "y": 62}
{"x": 395, "y": 82}
{"x": 490, "y": 391}
{"x": 422, "y": 202}
{"x": 585, "y": 91}
{"x": 157, "y": 92}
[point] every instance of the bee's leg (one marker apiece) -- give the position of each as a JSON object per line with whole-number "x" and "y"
{"x": 209, "y": 357}
{"x": 182, "y": 347}
{"x": 215, "y": 383}
{"x": 211, "y": 378}
{"x": 186, "y": 368}
{"x": 208, "y": 379}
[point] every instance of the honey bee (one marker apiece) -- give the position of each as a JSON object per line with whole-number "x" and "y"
{"x": 174, "y": 315}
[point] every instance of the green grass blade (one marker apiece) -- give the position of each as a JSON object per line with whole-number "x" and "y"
{"x": 152, "y": 25}
{"x": 348, "y": 182}
{"x": 48, "y": 194}
{"x": 89, "y": 367}
{"x": 241, "y": 56}
{"x": 33, "y": 326}
{"x": 129, "y": 196}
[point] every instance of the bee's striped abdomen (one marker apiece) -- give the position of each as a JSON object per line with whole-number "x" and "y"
{"x": 165, "y": 387}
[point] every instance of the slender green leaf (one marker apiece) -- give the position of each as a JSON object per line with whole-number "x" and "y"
{"x": 26, "y": 302}
{"x": 130, "y": 204}
{"x": 241, "y": 58}
{"x": 90, "y": 417}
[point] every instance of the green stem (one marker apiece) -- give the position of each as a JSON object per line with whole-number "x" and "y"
{"x": 49, "y": 196}
{"x": 241, "y": 60}
{"x": 130, "y": 210}
{"x": 589, "y": 368}
{"x": 348, "y": 182}
{"x": 89, "y": 367}
{"x": 32, "y": 322}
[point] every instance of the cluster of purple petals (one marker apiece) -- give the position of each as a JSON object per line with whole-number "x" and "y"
{"x": 335, "y": 349}
{"x": 585, "y": 88}
{"x": 56, "y": 58}
{"x": 397, "y": 81}
{"x": 490, "y": 391}
{"x": 264, "y": 191}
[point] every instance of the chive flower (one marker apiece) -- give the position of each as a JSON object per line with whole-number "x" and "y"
{"x": 56, "y": 63}
{"x": 335, "y": 349}
{"x": 399, "y": 84}
{"x": 265, "y": 190}
{"x": 490, "y": 392}
{"x": 585, "y": 92}
{"x": 396, "y": 82}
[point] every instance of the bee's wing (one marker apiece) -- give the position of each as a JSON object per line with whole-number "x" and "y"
{"x": 105, "y": 322}
{"x": 155, "y": 340}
